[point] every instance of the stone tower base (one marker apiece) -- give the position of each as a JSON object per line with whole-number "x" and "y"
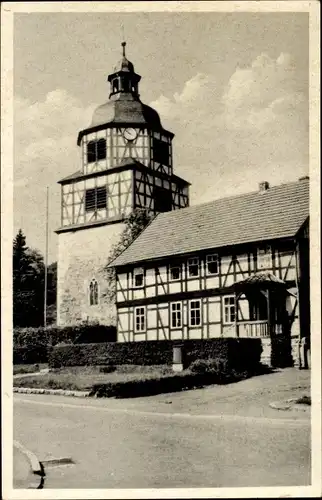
{"x": 82, "y": 257}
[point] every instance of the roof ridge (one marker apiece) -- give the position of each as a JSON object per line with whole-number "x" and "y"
{"x": 236, "y": 196}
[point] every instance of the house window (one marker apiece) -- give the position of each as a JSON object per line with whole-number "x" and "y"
{"x": 212, "y": 264}
{"x": 176, "y": 315}
{"x": 194, "y": 313}
{"x": 138, "y": 277}
{"x": 175, "y": 273}
{"x": 96, "y": 150}
{"x": 264, "y": 257}
{"x": 193, "y": 267}
{"x": 95, "y": 199}
{"x": 229, "y": 309}
{"x": 93, "y": 293}
{"x": 139, "y": 319}
{"x": 161, "y": 151}
{"x": 162, "y": 199}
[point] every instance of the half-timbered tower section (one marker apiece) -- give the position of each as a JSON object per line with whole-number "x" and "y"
{"x": 237, "y": 266}
{"x": 126, "y": 162}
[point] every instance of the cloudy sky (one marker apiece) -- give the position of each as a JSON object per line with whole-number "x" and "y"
{"x": 233, "y": 87}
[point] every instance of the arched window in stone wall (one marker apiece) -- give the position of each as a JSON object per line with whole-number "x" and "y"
{"x": 93, "y": 293}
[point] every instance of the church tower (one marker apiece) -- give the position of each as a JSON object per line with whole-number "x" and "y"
{"x": 126, "y": 163}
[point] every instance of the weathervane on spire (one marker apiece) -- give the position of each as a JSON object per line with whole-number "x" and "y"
{"x": 123, "y": 45}
{"x": 123, "y": 36}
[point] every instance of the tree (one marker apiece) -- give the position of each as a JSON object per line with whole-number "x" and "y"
{"x": 20, "y": 259}
{"x": 28, "y": 284}
{"x": 135, "y": 224}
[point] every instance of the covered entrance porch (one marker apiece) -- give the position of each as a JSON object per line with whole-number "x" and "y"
{"x": 261, "y": 312}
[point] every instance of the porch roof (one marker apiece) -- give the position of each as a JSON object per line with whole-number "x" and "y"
{"x": 259, "y": 280}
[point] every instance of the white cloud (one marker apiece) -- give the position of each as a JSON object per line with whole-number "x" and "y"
{"x": 43, "y": 126}
{"x": 255, "y": 96}
{"x": 229, "y": 139}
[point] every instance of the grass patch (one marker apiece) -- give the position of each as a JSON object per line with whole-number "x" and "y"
{"x": 83, "y": 378}
{"x": 22, "y": 369}
{"x": 127, "y": 380}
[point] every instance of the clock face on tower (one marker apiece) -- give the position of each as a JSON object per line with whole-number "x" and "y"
{"x": 130, "y": 134}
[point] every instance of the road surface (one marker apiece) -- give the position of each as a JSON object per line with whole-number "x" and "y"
{"x": 117, "y": 444}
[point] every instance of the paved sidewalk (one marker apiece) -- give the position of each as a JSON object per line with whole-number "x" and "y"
{"x": 31, "y": 374}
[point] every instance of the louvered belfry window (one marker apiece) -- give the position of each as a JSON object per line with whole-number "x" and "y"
{"x": 95, "y": 199}
{"x": 96, "y": 150}
{"x": 162, "y": 199}
{"x": 160, "y": 151}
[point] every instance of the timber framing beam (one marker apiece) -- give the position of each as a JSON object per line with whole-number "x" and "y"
{"x": 211, "y": 292}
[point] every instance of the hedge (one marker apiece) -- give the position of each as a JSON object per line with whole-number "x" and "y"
{"x": 30, "y": 355}
{"x": 164, "y": 384}
{"x": 238, "y": 353}
{"x": 32, "y": 345}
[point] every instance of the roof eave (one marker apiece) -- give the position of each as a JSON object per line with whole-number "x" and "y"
{"x": 213, "y": 249}
{"x": 112, "y": 124}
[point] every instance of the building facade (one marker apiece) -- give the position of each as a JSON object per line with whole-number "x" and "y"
{"x": 126, "y": 163}
{"x": 238, "y": 266}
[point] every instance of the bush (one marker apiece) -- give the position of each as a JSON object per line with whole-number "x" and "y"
{"x": 31, "y": 345}
{"x": 162, "y": 384}
{"x": 83, "y": 333}
{"x": 30, "y": 355}
{"x": 238, "y": 354}
{"x": 209, "y": 366}
{"x": 304, "y": 400}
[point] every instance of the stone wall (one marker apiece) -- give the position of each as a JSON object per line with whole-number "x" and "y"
{"x": 295, "y": 350}
{"x": 83, "y": 256}
{"x": 267, "y": 352}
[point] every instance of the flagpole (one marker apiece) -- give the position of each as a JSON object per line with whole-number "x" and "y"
{"x": 46, "y": 263}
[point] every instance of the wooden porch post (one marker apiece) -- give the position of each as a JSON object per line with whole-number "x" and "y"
{"x": 269, "y": 312}
{"x": 236, "y": 314}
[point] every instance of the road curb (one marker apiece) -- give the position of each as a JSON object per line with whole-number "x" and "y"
{"x": 288, "y": 404}
{"x": 58, "y": 461}
{"x": 54, "y": 392}
{"x": 36, "y": 467}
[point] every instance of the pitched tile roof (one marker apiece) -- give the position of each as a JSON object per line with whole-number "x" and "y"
{"x": 278, "y": 212}
{"x": 260, "y": 279}
{"x": 70, "y": 177}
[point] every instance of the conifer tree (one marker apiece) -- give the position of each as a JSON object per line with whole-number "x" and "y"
{"x": 28, "y": 284}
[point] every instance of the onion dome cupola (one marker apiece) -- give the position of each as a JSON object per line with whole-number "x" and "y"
{"x": 124, "y": 106}
{"x": 124, "y": 79}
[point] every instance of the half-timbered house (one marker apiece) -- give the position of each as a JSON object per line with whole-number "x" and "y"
{"x": 125, "y": 163}
{"x": 237, "y": 266}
